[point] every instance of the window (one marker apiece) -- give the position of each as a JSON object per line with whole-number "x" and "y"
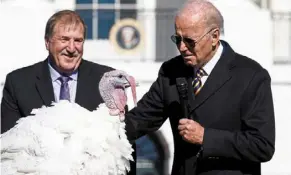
{"x": 84, "y": 1}
{"x": 101, "y": 15}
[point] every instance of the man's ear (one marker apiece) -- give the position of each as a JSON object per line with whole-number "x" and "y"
{"x": 46, "y": 43}
{"x": 215, "y": 36}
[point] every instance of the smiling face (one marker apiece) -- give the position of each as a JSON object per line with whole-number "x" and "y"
{"x": 65, "y": 46}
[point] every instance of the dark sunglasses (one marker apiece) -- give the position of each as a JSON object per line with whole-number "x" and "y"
{"x": 177, "y": 39}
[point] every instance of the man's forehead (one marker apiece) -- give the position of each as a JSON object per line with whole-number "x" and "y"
{"x": 189, "y": 22}
{"x": 189, "y": 29}
{"x": 68, "y": 27}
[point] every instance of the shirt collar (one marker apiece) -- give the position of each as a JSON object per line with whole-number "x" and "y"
{"x": 55, "y": 74}
{"x": 208, "y": 67}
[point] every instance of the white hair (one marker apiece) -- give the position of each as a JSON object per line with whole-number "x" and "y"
{"x": 210, "y": 15}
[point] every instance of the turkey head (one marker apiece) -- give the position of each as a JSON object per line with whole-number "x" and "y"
{"x": 112, "y": 88}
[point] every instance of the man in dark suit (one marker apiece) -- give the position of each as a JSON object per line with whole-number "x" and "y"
{"x": 64, "y": 75}
{"x": 230, "y": 127}
{"x": 40, "y": 84}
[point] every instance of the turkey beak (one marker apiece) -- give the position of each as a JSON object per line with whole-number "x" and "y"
{"x": 132, "y": 85}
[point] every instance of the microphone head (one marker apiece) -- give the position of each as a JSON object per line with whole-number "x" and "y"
{"x": 182, "y": 87}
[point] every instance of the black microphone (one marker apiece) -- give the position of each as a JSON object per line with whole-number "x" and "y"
{"x": 182, "y": 87}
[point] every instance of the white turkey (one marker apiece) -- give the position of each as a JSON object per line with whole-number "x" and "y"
{"x": 68, "y": 139}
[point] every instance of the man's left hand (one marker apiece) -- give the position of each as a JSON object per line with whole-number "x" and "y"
{"x": 191, "y": 131}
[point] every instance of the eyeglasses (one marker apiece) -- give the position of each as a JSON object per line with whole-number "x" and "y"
{"x": 177, "y": 39}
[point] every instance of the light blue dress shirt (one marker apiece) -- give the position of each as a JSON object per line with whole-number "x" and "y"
{"x": 57, "y": 84}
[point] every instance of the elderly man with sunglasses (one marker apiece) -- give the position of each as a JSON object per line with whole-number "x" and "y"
{"x": 230, "y": 126}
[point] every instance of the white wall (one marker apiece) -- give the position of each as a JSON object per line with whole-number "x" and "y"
{"x": 281, "y": 5}
{"x": 281, "y": 73}
{"x": 247, "y": 29}
{"x": 22, "y": 33}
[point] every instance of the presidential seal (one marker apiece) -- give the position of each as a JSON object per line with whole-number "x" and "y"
{"x": 126, "y": 36}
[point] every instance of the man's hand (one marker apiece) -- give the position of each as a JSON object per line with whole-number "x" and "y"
{"x": 191, "y": 131}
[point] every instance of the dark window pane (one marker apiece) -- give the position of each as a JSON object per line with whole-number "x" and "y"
{"x": 87, "y": 16}
{"x": 106, "y": 18}
{"x": 127, "y": 1}
{"x": 127, "y": 14}
{"x": 106, "y": 1}
{"x": 84, "y": 1}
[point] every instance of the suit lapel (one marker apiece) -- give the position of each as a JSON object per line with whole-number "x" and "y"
{"x": 44, "y": 84}
{"x": 191, "y": 95}
{"x": 85, "y": 86}
{"x": 215, "y": 81}
{"x": 187, "y": 72}
{"x": 218, "y": 77}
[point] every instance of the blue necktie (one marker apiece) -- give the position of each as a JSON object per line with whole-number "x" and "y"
{"x": 65, "y": 90}
{"x": 197, "y": 83}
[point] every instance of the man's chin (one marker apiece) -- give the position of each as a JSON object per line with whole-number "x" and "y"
{"x": 68, "y": 70}
{"x": 189, "y": 62}
{"x": 68, "y": 59}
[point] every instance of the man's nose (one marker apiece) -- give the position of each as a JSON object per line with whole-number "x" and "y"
{"x": 71, "y": 46}
{"x": 182, "y": 46}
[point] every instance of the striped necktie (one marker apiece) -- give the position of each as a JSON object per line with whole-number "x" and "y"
{"x": 197, "y": 83}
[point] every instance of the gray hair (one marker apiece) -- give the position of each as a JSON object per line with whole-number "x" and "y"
{"x": 211, "y": 16}
{"x": 67, "y": 17}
